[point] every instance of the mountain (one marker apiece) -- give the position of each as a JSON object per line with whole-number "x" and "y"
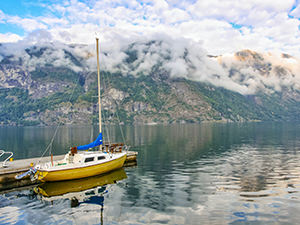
{"x": 145, "y": 82}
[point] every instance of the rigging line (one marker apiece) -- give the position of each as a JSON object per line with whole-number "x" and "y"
{"x": 48, "y": 106}
{"x": 59, "y": 124}
{"x": 92, "y": 113}
{"x": 117, "y": 114}
{"x": 107, "y": 77}
{"x": 106, "y": 127}
{"x": 92, "y": 132}
{"x": 99, "y": 93}
{"x": 120, "y": 126}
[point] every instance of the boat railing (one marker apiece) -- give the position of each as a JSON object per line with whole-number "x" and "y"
{"x": 47, "y": 165}
{"x": 2, "y": 152}
{"x": 114, "y": 147}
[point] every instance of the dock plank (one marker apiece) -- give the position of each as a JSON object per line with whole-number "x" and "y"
{"x": 24, "y": 164}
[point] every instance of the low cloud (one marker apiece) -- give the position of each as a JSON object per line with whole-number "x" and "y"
{"x": 245, "y": 72}
{"x": 39, "y": 49}
{"x": 9, "y": 37}
{"x": 266, "y": 72}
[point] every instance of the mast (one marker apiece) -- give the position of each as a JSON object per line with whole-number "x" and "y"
{"x": 99, "y": 99}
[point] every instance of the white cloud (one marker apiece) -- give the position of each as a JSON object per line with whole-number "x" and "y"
{"x": 9, "y": 37}
{"x": 27, "y": 24}
{"x": 51, "y": 21}
{"x": 223, "y": 26}
{"x": 2, "y": 17}
{"x": 296, "y": 12}
{"x": 38, "y": 36}
{"x": 175, "y": 15}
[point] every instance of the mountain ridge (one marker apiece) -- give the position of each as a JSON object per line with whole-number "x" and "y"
{"x": 46, "y": 86}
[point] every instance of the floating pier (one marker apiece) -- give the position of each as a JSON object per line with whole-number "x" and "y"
{"x": 13, "y": 168}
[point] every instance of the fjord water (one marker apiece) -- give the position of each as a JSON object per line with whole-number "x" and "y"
{"x": 186, "y": 174}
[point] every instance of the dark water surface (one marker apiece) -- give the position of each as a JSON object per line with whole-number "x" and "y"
{"x": 186, "y": 174}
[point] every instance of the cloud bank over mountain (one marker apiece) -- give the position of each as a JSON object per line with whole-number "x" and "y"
{"x": 245, "y": 72}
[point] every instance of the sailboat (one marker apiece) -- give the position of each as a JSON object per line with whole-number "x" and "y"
{"x": 79, "y": 163}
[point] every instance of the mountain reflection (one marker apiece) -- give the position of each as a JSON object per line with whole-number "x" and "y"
{"x": 181, "y": 165}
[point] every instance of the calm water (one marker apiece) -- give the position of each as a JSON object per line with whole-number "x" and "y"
{"x": 186, "y": 174}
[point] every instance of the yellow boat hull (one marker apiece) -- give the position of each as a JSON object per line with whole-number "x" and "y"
{"x": 81, "y": 172}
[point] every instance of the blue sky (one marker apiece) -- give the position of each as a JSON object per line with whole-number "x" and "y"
{"x": 21, "y": 8}
{"x": 221, "y": 26}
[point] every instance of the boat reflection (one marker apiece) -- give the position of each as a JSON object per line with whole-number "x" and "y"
{"x": 89, "y": 190}
{"x": 82, "y": 189}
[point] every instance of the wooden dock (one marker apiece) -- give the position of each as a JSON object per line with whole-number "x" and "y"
{"x": 7, "y": 174}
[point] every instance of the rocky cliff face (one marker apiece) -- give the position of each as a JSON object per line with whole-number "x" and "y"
{"x": 45, "y": 86}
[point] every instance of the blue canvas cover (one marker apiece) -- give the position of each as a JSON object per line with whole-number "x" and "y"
{"x": 95, "y": 143}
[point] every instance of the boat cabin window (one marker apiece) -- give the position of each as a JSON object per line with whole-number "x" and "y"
{"x": 101, "y": 157}
{"x": 89, "y": 159}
